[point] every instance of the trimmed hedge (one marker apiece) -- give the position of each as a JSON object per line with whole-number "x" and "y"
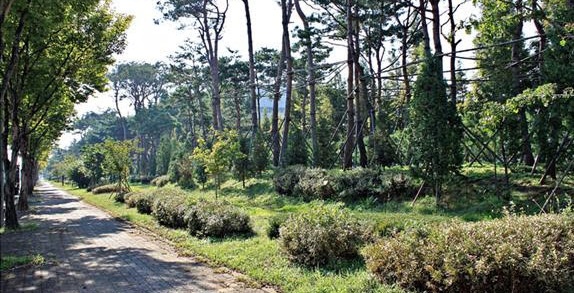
{"x": 143, "y": 201}
{"x": 216, "y": 219}
{"x": 321, "y": 235}
{"x": 160, "y": 181}
{"x": 169, "y": 207}
{"x": 108, "y": 188}
{"x": 513, "y": 254}
{"x": 275, "y": 224}
{"x": 359, "y": 183}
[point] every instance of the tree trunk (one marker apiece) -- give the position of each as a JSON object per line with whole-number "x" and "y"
{"x": 27, "y": 181}
{"x": 275, "y": 115}
{"x": 436, "y": 34}
{"x": 453, "y": 43}
{"x": 286, "y": 7}
{"x": 359, "y": 94}
{"x": 254, "y": 108}
{"x": 350, "y": 141}
{"x": 424, "y": 26}
{"x": 311, "y": 81}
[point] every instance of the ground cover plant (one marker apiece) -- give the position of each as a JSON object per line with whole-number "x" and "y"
{"x": 265, "y": 260}
{"x": 11, "y": 261}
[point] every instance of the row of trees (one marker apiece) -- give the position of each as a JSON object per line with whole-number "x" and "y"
{"x": 401, "y": 102}
{"x": 53, "y": 54}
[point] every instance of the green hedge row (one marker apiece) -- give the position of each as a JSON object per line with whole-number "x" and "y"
{"x": 513, "y": 254}
{"x": 171, "y": 208}
{"x": 359, "y": 183}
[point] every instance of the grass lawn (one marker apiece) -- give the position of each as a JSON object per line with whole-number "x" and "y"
{"x": 476, "y": 197}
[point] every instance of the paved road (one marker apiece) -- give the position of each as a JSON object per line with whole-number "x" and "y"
{"x": 88, "y": 251}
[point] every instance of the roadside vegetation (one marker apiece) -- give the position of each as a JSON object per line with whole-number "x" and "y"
{"x": 329, "y": 244}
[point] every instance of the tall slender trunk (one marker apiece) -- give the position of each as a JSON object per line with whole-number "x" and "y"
{"x": 27, "y": 180}
{"x": 453, "y": 43}
{"x": 254, "y": 108}
{"x": 436, "y": 34}
{"x": 275, "y": 114}
{"x": 350, "y": 141}
{"x": 286, "y": 7}
{"x": 359, "y": 95}
{"x": 424, "y": 26}
{"x": 311, "y": 81}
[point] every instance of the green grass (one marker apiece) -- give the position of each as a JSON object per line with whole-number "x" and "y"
{"x": 28, "y": 226}
{"x": 11, "y": 261}
{"x": 474, "y": 197}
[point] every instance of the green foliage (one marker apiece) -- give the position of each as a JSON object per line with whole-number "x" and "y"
{"x": 93, "y": 159}
{"x": 79, "y": 175}
{"x": 165, "y": 154}
{"x": 297, "y": 151}
{"x": 516, "y": 253}
{"x": 142, "y": 201}
{"x": 435, "y": 130}
{"x": 108, "y": 188}
{"x": 220, "y": 156}
{"x": 286, "y": 179}
{"x": 260, "y": 153}
{"x": 242, "y": 165}
{"x": 8, "y": 262}
{"x": 216, "y": 219}
{"x": 117, "y": 160}
{"x": 322, "y": 234}
{"x": 350, "y": 185}
{"x": 275, "y": 224}
{"x": 169, "y": 207}
{"x": 160, "y": 181}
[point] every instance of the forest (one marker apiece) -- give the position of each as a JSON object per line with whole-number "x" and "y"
{"x": 411, "y": 164}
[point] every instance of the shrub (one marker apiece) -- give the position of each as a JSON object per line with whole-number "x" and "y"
{"x": 286, "y": 179}
{"x": 169, "y": 207}
{"x": 79, "y": 175}
{"x": 322, "y": 234}
{"x": 275, "y": 223}
{"x": 513, "y": 254}
{"x": 160, "y": 181}
{"x": 143, "y": 201}
{"x": 216, "y": 219}
{"x": 314, "y": 184}
{"x": 120, "y": 197}
{"x": 349, "y": 185}
{"x": 358, "y": 183}
{"x": 108, "y": 188}
{"x": 130, "y": 199}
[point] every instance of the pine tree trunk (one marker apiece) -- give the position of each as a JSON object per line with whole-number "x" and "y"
{"x": 275, "y": 114}
{"x": 286, "y": 8}
{"x": 311, "y": 82}
{"x": 350, "y": 140}
{"x": 254, "y": 108}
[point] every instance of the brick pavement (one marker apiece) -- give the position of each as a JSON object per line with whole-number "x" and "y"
{"x": 86, "y": 250}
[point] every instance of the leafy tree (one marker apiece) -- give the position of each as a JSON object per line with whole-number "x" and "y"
{"x": 93, "y": 157}
{"x": 118, "y": 160}
{"x": 218, "y": 158}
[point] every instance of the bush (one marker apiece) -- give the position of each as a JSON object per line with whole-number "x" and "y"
{"x": 169, "y": 207}
{"x": 286, "y": 179}
{"x": 358, "y": 183}
{"x": 80, "y": 176}
{"x": 108, "y": 188}
{"x": 160, "y": 181}
{"x": 120, "y": 197}
{"x": 143, "y": 201}
{"x": 322, "y": 234}
{"x": 513, "y": 254}
{"x": 275, "y": 223}
{"x": 314, "y": 184}
{"x": 349, "y": 185}
{"x": 216, "y": 219}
